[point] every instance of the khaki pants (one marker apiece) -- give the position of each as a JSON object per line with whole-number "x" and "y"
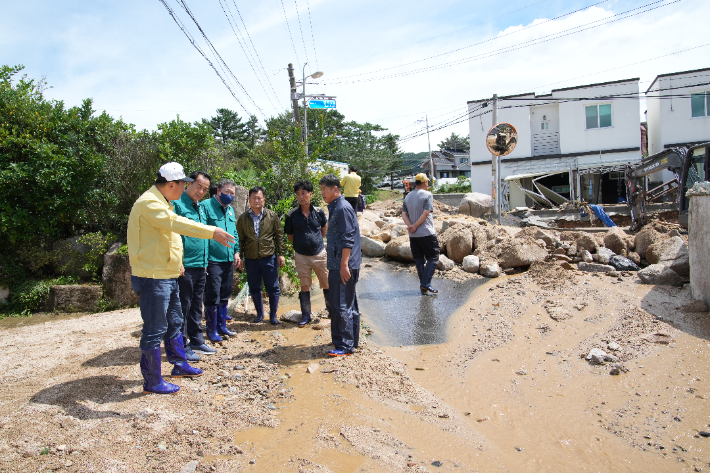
{"x": 306, "y": 264}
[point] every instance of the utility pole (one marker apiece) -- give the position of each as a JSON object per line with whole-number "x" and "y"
{"x": 294, "y": 99}
{"x": 431, "y": 160}
{"x": 495, "y": 161}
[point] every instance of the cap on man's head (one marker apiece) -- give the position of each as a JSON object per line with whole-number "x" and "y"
{"x": 421, "y": 177}
{"x": 173, "y": 172}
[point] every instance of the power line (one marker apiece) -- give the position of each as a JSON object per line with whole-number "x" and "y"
{"x": 247, "y": 53}
{"x": 441, "y": 35}
{"x": 525, "y": 44}
{"x": 478, "y": 43}
{"x": 298, "y": 15}
{"x": 289, "y": 34}
{"x": 245, "y": 48}
{"x": 214, "y": 50}
{"x": 194, "y": 44}
{"x": 257, "y": 54}
{"x": 621, "y": 67}
{"x": 313, "y": 40}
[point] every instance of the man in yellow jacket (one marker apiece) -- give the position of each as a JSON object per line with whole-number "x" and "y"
{"x": 155, "y": 252}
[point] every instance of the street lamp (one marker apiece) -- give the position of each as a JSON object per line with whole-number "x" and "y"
{"x": 315, "y": 75}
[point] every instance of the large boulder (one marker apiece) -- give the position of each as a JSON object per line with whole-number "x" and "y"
{"x": 457, "y": 242}
{"x": 516, "y": 252}
{"x": 604, "y": 255}
{"x": 672, "y": 252}
{"x": 239, "y": 203}
{"x": 372, "y": 248}
{"x": 445, "y": 264}
{"x": 74, "y": 298}
{"x": 476, "y": 204}
{"x": 615, "y": 239}
{"x": 399, "y": 249}
{"x": 81, "y": 255}
{"x": 399, "y": 230}
{"x": 595, "y": 267}
{"x": 623, "y": 264}
{"x": 490, "y": 270}
{"x": 587, "y": 242}
{"x": 661, "y": 275}
{"x": 471, "y": 264}
{"x": 647, "y": 237}
{"x": 368, "y": 227}
{"x": 383, "y": 236}
{"x": 116, "y": 277}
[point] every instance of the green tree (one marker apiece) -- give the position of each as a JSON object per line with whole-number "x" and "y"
{"x": 52, "y": 163}
{"x": 455, "y": 142}
{"x": 227, "y": 126}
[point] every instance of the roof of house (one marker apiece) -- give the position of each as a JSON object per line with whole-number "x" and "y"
{"x": 635, "y": 79}
{"x": 675, "y": 74}
{"x": 599, "y": 84}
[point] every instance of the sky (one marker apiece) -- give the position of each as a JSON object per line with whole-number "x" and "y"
{"x": 389, "y": 63}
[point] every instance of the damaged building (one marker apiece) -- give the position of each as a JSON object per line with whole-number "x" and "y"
{"x": 573, "y": 144}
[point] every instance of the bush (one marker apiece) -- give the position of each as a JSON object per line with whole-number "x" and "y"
{"x": 461, "y": 186}
{"x": 31, "y": 295}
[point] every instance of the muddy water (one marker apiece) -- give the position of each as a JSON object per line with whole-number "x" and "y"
{"x": 392, "y": 304}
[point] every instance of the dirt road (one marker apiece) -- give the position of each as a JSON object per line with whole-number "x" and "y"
{"x": 510, "y": 391}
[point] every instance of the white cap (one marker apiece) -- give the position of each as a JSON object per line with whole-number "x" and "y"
{"x": 173, "y": 172}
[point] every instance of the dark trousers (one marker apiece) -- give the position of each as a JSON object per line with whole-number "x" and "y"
{"x": 192, "y": 291}
{"x": 425, "y": 251}
{"x": 220, "y": 281}
{"x": 266, "y": 269}
{"x": 159, "y": 301}
{"x": 352, "y": 201}
{"x": 344, "y": 311}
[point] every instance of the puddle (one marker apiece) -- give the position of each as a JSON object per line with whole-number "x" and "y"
{"x": 39, "y": 318}
{"x": 399, "y": 314}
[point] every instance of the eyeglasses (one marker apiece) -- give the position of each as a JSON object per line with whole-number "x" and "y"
{"x": 256, "y": 198}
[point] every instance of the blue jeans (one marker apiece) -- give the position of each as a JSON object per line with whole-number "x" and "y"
{"x": 192, "y": 289}
{"x": 160, "y": 310}
{"x": 344, "y": 314}
{"x": 266, "y": 269}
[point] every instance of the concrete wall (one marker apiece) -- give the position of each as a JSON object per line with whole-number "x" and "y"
{"x": 624, "y": 129}
{"x": 670, "y": 121}
{"x": 450, "y": 199}
{"x": 698, "y": 244}
{"x": 481, "y": 178}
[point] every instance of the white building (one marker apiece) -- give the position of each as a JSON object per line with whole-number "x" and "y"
{"x": 676, "y": 121}
{"x": 573, "y": 142}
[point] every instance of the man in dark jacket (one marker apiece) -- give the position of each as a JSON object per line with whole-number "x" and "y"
{"x": 344, "y": 257}
{"x": 305, "y": 227}
{"x": 222, "y": 261}
{"x": 262, "y": 249}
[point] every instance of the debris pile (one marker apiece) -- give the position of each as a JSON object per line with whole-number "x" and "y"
{"x": 659, "y": 252}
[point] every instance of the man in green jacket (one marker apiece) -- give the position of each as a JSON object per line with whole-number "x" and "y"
{"x": 262, "y": 240}
{"x": 193, "y": 277}
{"x": 221, "y": 262}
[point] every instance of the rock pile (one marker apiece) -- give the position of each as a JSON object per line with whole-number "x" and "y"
{"x": 492, "y": 250}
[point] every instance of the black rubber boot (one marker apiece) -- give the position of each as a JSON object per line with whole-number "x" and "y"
{"x": 326, "y": 298}
{"x": 273, "y": 307}
{"x": 305, "y": 298}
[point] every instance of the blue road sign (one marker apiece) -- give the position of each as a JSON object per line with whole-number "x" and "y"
{"x": 321, "y": 104}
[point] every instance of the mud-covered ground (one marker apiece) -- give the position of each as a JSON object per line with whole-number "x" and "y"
{"x": 510, "y": 391}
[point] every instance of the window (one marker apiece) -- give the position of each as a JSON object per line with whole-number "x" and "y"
{"x": 464, "y": 160}
{"x": 544, "y": 126}
{"x": 700, "y": 104}
{"x": 443, "y": 174}
{"x": 598, "y": 116}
